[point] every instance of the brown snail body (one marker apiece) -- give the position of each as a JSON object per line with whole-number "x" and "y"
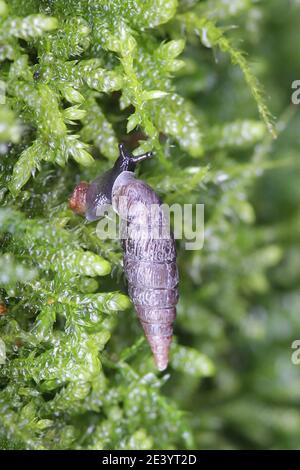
{"x": 148, "y": 246}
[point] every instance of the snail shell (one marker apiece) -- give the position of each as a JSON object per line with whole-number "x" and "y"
{"x": 148, "y": 246}
{"x": 149, "y": 261}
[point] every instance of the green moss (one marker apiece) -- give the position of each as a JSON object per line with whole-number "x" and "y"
{"x": 77, "y": 78}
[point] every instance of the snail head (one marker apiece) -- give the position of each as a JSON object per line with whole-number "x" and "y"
{"x": 92, "y": 199}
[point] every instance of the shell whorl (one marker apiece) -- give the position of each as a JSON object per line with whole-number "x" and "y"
{"x": 149, "y": 261}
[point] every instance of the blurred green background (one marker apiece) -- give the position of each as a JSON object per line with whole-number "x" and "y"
{"x": 244, "y": 319}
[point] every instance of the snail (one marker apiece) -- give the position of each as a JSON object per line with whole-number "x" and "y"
{"x": 148, "y": 247}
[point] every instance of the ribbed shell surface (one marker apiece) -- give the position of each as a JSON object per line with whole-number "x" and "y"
{"x": 149, "y": 261}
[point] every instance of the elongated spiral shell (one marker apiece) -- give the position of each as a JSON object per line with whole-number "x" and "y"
{"x": 149, "y": 261}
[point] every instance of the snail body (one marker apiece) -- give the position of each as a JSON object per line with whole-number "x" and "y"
{"x": 148, "y": 247}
